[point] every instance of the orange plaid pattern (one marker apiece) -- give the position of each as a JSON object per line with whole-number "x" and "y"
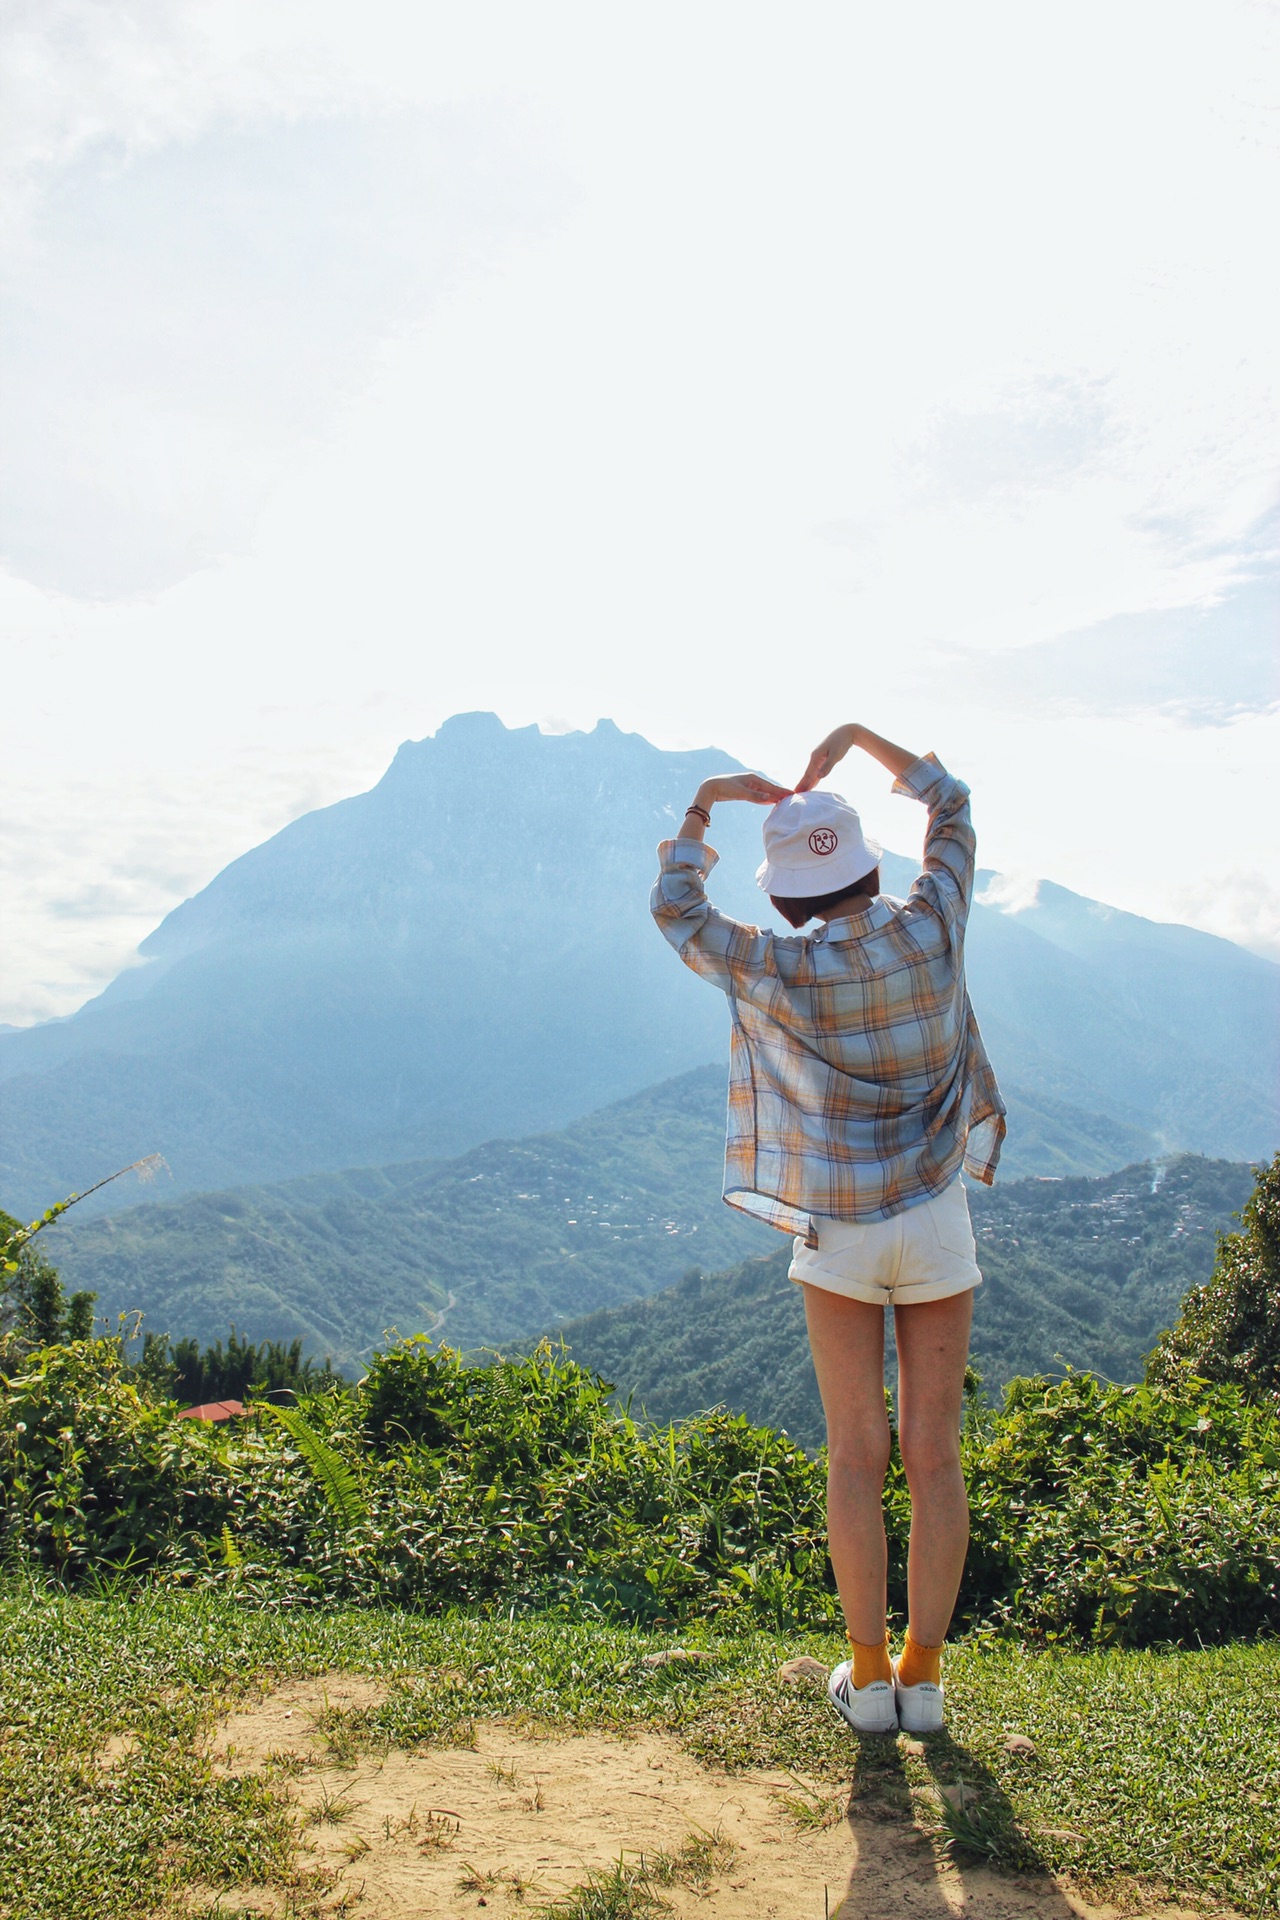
{"x": 858, "y": 1081}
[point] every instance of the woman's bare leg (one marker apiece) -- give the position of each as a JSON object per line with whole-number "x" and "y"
{"x": 933, "y": 1347}
{"x": 847, "y": 1339}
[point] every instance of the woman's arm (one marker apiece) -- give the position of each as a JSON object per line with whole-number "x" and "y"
{"x": 729, "y": 786}
{"x": 722, "y": 950}
{"x": 829, "y": 752}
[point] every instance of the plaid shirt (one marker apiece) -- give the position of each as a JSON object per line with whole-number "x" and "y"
{"x": 858, "y": 1081}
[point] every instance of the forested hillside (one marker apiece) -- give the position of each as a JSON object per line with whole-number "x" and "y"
{"x": 474, "y": 1250}
{"x": 1084, "y": 1273}
{"x": 478, "y": 1249}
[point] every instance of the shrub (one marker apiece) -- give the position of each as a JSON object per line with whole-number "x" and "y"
{"x": 1125, "y": 1514}
{"x": 1229, "y": 1329}
{"x": 34, "y": 1309}
{"x": 95, "y": 1477}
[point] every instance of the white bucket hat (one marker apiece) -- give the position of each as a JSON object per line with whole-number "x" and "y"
{"x": 813, "y": 845}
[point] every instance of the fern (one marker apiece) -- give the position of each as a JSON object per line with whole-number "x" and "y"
{"x": 336, "y": 1481}
{"x": 231, "y": 1554}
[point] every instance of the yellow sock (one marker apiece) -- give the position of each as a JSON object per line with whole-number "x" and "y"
{"x": 919, "y": 1663}
{"x": 870, "y": 1663}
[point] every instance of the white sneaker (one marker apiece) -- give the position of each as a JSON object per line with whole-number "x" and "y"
{"x": 920, "y": 1708}
{"x": 867, "y": 1709}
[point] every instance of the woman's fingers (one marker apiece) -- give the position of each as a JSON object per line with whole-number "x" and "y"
{"x": 754, "y": 786}
{"x": 820, "y": 764}
{"x": 746, "y": 786}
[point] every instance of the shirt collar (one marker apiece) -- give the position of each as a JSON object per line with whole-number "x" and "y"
{"x": 852, "y": 926}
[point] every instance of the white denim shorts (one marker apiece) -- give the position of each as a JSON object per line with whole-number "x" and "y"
{"x": 924, "y": 1253}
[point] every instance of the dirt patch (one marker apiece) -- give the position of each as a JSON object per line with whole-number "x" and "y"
{"x": 116, "y": 1750}
{"x": 513, "y": 1822}
{"x": 303, "y": 1720}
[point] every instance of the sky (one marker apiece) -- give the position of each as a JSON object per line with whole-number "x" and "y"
{"x": 726, "y": 370}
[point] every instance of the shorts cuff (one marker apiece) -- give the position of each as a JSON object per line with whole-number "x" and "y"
{"x": 836, "y": 1283}
{"x": 876, "y": 1296}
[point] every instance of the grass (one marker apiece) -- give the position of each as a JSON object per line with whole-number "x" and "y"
{"x": 624, "y": 1891}
{"x": 333, "y": 1808}
{"x": 479, "y": 1880}
{"x": 1154, "y": 1768}
{"x": 700, "y": 1856}
{"x": 629, "y": 1889}
{"x": 811, "y": 1811}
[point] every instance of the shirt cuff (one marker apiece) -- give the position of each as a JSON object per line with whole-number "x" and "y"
{"x": 687, "y": 853}
{"x": 917, "y": 780}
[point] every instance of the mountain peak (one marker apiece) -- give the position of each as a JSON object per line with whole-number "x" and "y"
{"x": 466, "y": 950}
{"x": 475, "y": 725}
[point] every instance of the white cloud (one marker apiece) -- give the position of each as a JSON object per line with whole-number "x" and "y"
{"x": 762, "y": 368}
{"x": 183, "y": 324}
{"x": 93, "y": 862}
{"x": 1010, "y": 892}
{"x": 1241, "y": 904}
{"x": 1201, "y": 665}
{"x": 135, "y": 75}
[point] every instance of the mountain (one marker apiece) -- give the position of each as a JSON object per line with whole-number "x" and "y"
{"x": 465, "y": 952}
{"x": 513, "y": 1234}
{"x": 1085, "y": 1272}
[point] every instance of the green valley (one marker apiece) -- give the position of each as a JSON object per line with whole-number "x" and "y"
{"x": 1080, "y": 1272}
{"x": 511, "y": 1236}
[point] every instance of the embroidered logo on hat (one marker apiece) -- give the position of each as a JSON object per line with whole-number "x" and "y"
{"x": 824, "y": 840}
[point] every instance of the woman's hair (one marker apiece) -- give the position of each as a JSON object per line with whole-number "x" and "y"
{"x": 798, "y": 911}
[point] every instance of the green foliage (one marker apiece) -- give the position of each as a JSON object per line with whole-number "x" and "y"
{"x": 1134, "y": 1515}
{"x": 79, "y": 1323}
{"x": 95, "y": 1477}
{"x": 505, "y": 1418}
{"x": 624, "y": 1891}
{"x": 1229, "y": 1329}
{"x": 335, "y": 1479}
{"x": 1131, "y": 1515}
{"x": 193, "y": 1374}
{"x": 1126, "y": 1514}
{"x": 34, "y": 1310}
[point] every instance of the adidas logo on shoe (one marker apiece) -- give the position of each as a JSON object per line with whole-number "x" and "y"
{"x": 870, "y": 1709}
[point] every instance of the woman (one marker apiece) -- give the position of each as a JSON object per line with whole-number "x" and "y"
{"x": 858, "y": 1087}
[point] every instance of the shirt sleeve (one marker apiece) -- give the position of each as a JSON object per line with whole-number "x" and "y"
{"x": 725, "y": 951}
{"x": 946, "y": 883}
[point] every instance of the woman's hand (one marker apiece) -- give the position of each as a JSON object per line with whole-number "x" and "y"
{"x": 827, "y": 754}
{"x": 729, "y": 786}
{"x": 741, "y": 786}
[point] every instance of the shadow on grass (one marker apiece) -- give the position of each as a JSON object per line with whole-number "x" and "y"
{"x": 897, "y": 1867}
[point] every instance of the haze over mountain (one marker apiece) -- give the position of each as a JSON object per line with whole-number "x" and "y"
{"x": 465, "y": 953}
